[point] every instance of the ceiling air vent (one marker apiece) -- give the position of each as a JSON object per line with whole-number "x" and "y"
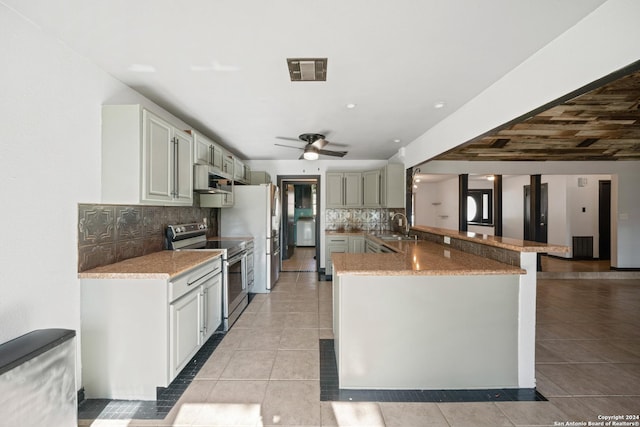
{"x": 307, "y": 69}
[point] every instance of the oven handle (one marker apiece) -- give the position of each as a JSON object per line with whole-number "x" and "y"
{"x": 237, "y": 257}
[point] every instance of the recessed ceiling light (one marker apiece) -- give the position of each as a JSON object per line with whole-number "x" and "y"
{"x": 397, "y": 140}
{"x": 439, "y": 104}
{"x": 351, "y": 106}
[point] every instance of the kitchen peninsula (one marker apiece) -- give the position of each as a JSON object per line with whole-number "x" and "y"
{"x": 436, "y": 315}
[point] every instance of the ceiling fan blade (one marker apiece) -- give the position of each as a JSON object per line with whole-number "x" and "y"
{"x": 289, "y": 146}
{"x": 319, "y": 143}
{"x": 286, "y": 138}
{"x": 336, "y": 144}
{"x": 332, "y": 153}
{"x": 301, "y": 157}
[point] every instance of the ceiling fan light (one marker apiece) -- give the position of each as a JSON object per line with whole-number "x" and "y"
{"x": 310, "y": 153}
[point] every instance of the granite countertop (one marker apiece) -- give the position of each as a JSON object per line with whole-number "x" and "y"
{"x": 346, "y": 233}
{"x": 496, "y": 241}
{"x": 418, "y": 258}
{"x": 158, "y": 265}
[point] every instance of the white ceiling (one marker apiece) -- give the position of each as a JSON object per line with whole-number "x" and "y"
{"x": 221, "y": 65}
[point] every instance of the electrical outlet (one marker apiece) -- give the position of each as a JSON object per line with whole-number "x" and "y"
{"x": 447, "y": 240}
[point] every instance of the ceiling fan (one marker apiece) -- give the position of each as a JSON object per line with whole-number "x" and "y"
{"x": 315, "y": 144}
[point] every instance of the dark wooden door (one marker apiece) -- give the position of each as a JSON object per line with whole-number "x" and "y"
{"x": 543, "y": 226}
{"x": 604, "y": 219}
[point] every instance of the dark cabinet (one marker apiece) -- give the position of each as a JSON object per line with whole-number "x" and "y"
{"x": 303, "y": 196}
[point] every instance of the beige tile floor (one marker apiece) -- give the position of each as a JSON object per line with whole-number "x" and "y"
{"x": 302, "y": 260}
{"x": 266, "y": 370}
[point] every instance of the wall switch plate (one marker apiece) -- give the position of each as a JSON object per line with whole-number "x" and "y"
{"x": 447, "y": 240}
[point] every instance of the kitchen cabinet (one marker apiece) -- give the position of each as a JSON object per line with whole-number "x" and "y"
{"x": 392, "y": 186}
{"x": 145, "y": 159}
{"x": 371, "y": 189}
{"x": 185, "y": 330}
{"x": 334, "y": 244}
{"x": 344, "y": 189}
{"x": 341, "y": 243}
{"x": 206, "y": 152}
{"x": 218, "y": 200}
{"x": 227, "y": 164}
{"x": 241, "y": 172}
{"x": 382, "y": 187}
{"x": 139, "y": 333}
{"x": 202, "y": 149}
{"x": 260, "y": 177}
{"x": 356, "y": 244}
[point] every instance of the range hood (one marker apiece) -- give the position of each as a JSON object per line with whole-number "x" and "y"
{"x": 209, "y": 180}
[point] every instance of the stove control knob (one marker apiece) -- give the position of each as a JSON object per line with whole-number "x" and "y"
{"x": 178, "y": 229}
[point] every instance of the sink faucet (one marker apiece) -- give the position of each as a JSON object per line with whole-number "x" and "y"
{"x": 406, "y": 221}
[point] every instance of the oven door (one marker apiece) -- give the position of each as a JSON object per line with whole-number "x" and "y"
{"x": 235, "y": 287}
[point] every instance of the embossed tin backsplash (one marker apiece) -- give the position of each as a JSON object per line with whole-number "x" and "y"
{"x": 112, "y": 233}
{"x": 359, "y": 219}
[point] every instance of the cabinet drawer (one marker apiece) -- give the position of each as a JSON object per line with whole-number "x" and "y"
{"x": 337, "y": 240}
{"x": 188, "y": 281}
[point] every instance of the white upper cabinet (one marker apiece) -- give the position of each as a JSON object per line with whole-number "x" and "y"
{"x": 371, "y": 189}
{"x": 392, "y": 186}
{"x": 145, "y": 159}
{"x": 207, "y": 152}
{"x": 344, "y": 189}
{"x": 202, "y": 149}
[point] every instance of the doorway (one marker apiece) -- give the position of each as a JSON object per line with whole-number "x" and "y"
{"x": 528, "y": 233}
{"x": 604, "y": 220}
{"x": 300, "y": 222}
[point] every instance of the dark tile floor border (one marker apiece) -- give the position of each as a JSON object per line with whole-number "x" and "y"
{"x": 150, "y": 409}
{"x": 329, "y": 390}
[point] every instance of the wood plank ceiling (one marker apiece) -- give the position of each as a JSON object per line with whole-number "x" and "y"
{"x": 601, "y": 123}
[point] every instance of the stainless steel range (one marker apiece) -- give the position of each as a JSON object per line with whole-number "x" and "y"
{"x": 234, "y": 260}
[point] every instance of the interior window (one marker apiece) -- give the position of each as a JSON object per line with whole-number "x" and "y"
{"x": 480, "y": 207}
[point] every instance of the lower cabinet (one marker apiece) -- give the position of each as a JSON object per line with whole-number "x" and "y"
{"x": 185, "y": 330}
{"x": 341, "y": 244}
{"x": 138, "y": 334}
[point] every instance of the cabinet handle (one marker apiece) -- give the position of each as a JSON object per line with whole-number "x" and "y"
{"x": 344, "y": 190}
{"x": 174, "y": 191}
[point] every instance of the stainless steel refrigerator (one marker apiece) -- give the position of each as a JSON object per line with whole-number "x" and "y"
{"x": 256, "y": 213}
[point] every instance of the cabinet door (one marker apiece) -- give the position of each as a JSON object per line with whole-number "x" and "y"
{"x": 238, "y": 170}
{"x": 371, "y": 190}
{"x": 356, "y": 244}
{"x": 394, "y": 183}
{"x": 158, "y": 159}
{"x": 335, "y": 190}
{"x": 331, "y": 249}
{"x": 227, "y": 165}
{"x": 185, "y": 330}
{"x": 184, "y": 167}
{"x": 217, "y": 157}
{"x": 202, "y": 150}
{"x": 353, "y": 189}
{"x": 212, "y": 306}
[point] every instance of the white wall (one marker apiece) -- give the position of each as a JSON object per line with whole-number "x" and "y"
{"x": 584, "y": 223}
{"x": 425, "y": 203}
{"x": 49, "y": 162}
{"x": 512, "y": 205}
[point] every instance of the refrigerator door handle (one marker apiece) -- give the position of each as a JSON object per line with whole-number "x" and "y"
{"x": 268, "y": 246}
